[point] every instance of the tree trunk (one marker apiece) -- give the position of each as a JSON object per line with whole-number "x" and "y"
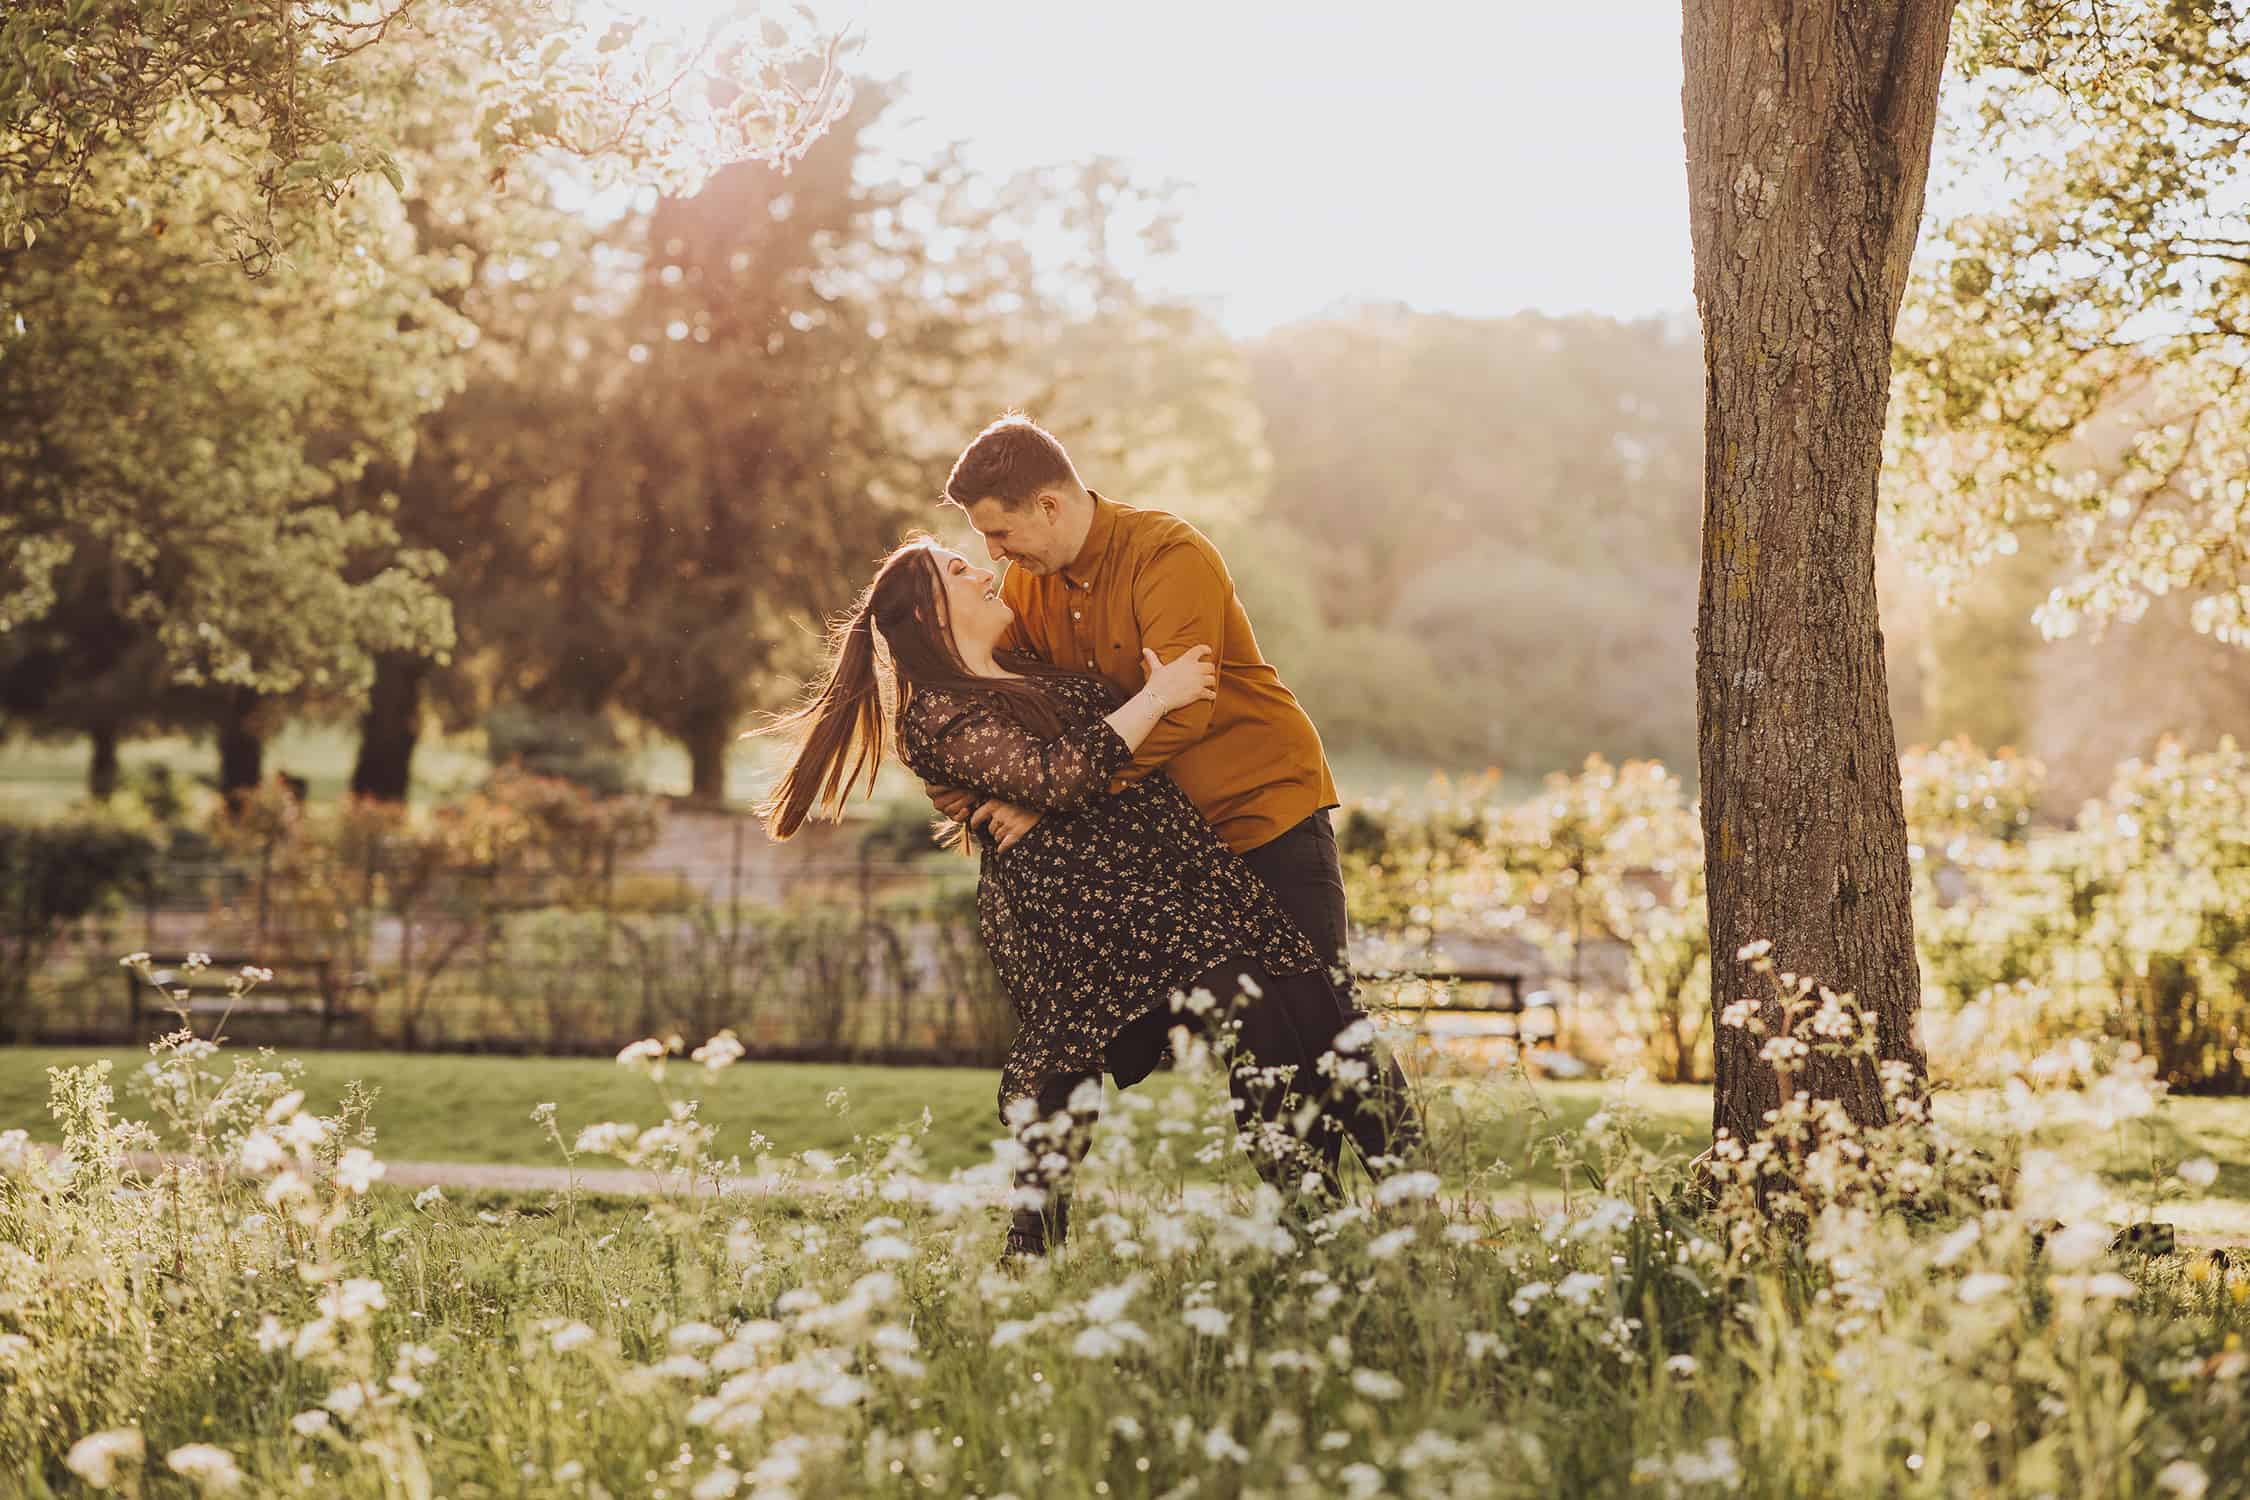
{"x": 242, "y": 747}
{"x": 1809, "y": 125}
{"x": 384, "y": 767}
{"x": 101, "y": 775}
{"x": 707, "y": 762}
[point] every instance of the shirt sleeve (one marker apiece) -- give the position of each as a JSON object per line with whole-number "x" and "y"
{"x": 1179, "y": 601}
{"x": 984, "y": 750}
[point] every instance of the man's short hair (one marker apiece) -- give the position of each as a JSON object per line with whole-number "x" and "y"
{"x": 1010, "y": 461}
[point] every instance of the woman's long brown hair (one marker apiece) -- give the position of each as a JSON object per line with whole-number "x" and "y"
{"x": 840, "y": 728}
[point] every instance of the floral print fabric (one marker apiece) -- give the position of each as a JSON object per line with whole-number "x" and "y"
{"x": 1114, "y": 901}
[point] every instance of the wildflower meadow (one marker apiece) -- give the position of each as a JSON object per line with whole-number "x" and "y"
{"x": 232, "y": 1300}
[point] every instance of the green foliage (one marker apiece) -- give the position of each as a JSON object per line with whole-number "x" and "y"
{"x": 582, "y": 749}
{"x": 2071, "y": 354}
{"x": 198, "y": 434}
{"x": 2126, "y": 924}
{"x": 52, "y": 875}
{"x": 1606, "y": 861}
{"x": 2124, "y": 928}
{"x": 310, "y": 97}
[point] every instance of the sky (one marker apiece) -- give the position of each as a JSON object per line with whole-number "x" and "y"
{"x": 1474, "y": 156}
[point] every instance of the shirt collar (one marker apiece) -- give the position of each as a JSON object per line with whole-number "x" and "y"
{"x": 1080, "y": 572}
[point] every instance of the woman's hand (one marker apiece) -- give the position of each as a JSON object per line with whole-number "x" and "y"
{"x": 951, "y": 801}
{"x": 1190, "y": 677}
{"x": 1006, "y": 822}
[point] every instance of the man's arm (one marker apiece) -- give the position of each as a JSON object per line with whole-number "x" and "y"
{"x": 1179, "y": 602}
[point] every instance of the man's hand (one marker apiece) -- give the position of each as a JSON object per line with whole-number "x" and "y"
{"x": 951, "y": 801}
{"x": 1007, "y": 822}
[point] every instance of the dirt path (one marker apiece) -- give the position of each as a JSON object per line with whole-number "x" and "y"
{"x": 623, "y": 1182}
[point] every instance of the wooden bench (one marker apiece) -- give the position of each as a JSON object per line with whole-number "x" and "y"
{"x": 301, "y": 988}
{"x": 1458, "y": 1019}
{"x": 1507, "y": 985}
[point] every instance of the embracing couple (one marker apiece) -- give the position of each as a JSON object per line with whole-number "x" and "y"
{"x": 1150, "y": 806}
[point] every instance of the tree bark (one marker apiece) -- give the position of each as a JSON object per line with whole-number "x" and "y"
{"x": 707, "y": 762}
{"x": 1809, "y": 125}
{"x": 384, "y": 768}
{"x": 101, "y": 774}
{"x": 242, "y": 746}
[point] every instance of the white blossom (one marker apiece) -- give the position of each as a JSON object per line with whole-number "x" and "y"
{"x": 357, "y": 1170}
{"x": 97, "y": 1457}
{"x": 212, "y": 1469}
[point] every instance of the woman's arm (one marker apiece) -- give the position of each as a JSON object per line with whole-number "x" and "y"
{"x": 987, "y": 751}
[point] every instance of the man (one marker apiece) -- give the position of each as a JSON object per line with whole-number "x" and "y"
{"x": 1094, "y": 584}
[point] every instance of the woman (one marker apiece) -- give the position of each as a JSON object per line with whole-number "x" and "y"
{"x": 1113, "y": 903}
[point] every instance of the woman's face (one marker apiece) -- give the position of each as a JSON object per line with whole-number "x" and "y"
{"x": 972, "y": 602}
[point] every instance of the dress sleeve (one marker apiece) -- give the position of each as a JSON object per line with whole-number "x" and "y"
{"x": 983, "y": 749}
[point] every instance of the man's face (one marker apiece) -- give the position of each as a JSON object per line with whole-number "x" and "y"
{"x": 1031, "y": 537}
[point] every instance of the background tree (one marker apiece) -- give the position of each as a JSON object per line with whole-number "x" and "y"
{"x": 2073, "y": 351}
{"x": 204, "y": 432}
{"x": 1809, "y": 125}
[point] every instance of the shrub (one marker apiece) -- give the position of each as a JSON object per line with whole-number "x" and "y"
{"x": 53, "y": 875}
{"x": 578, "y": 748}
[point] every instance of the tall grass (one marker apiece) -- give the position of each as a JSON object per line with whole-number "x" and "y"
{"x": 1829, "y": 1312}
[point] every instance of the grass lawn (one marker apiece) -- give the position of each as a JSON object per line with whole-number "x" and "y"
{"x": 477, "y": 1109}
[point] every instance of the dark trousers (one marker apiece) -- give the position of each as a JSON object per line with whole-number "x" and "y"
{"x": 1287, "y": 1065}
{"x": 1305, "y": 873}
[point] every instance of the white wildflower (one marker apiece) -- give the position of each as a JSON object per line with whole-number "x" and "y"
{"x": 1984, "y": 1284}
{"x": 722, "y": 1051}
{"x": 2183, "y": 1477}
{"x": 309, "y": 1422}
{"x": 721, "y": 1481}
{"x": 352, "y": 1301}
{"x": 1211, "y": 1322}
{"x": 642, "y": 1054}
{"x": 1362, "y": 1481}
{"x": 96, "y": 1457}
{"x": 1386, "y": 1246}
{"x": 2077, "y": 1245}
{"x": 570, "y": 1336}
{"x": 1107, "y": 1340}
{"x": 261, "y": 1152}
{"x": 347, "y": 1400}
{"x": 2200, "y": 1172}
{"x": 1958, "y": 1243}
{"x": 211, "y": 1468}
{"x": 357, "y": 1170}
{"x": 1376, "y": 1385}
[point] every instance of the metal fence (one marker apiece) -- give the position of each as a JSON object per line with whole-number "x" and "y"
{"x": 834, "y": 959}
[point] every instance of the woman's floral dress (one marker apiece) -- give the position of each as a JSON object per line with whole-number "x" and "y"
{"x": 1114, "y": 902}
